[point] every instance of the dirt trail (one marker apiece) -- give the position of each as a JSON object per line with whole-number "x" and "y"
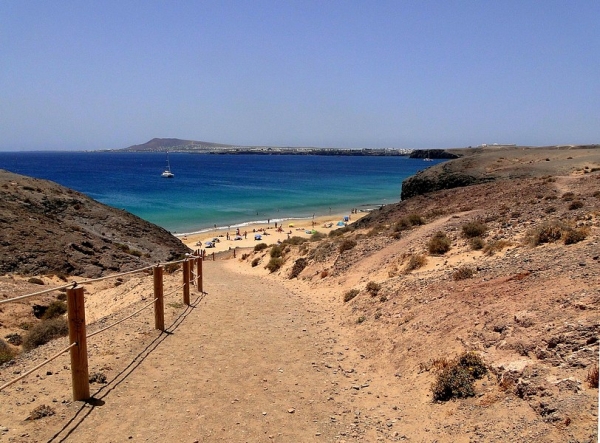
{"x": 243, "y": 365}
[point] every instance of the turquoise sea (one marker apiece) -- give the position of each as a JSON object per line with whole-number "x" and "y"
{"x": 222, "y": 190}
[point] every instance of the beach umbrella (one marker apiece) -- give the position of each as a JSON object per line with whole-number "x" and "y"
{"x": 291, "y": 225}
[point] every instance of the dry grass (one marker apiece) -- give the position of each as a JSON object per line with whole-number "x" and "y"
{"x": 349, "y": 295}
{"x": 474, "y": 229}
{"x": 463, "y": 273}
{"x": 45, "y": 331}
{"x": 415, "y": 262}
{"x": 438, "y": 244}
{"x": 592, "y": 377}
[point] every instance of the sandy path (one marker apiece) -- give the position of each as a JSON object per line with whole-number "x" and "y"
{"x": 241, "y": 366}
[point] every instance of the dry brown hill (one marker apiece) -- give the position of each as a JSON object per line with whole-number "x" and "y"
{"x": 47, "y": 228}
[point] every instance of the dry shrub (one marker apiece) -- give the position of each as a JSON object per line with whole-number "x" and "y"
{"x": 41, "y": 412}
{"x": 172, "y": 268}
{"x": 476, "y": 243}
{"x": 349, "y": 295}
{"x": 55, "y": 309}
{"x": 346, "y": 245}
{"x": 6, "y": 353}
{"x": 577, "y": 204}
{"x": 495, "y": 246}
{"x": 298, "y": 267}
{"x": 373, "y": 288}
{"x": 255, "y": 262}
{"x": 463, "y": 273}
{"x": 592, "y": 377}
{"x": 259, "y": 247}
{"x": 45, "y": 331}
{"x": 415, "y": 262}
{"x": 568, "y": 196}
{"x": 317, "y": 236}
{"x": 438, "y": 244}
{"x": 296, "y": 240}
{"x": 474, "y": 229}
{"x": 572, "y": 236}
{"x": 274, "y": 264}
{"x": 36, "y": 281}
{"x": 324, "y": 273}
{"x": 408, "y": 222}
{"x": 456, "y": 378}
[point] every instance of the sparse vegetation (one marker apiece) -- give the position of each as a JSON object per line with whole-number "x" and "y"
{"x": 456, "y": 378}
{"x": 45, "y": 331}
{"x": 438, "y": 244}
{"x": 255, "y": 262}
{"x": 415, "y": 262}
{"x": 576, "y": 204}
{"x": 36, "y": 281}
{"x": 317, "y": 236}
{"x": 568, "y": 196}
{"x": 298, "y": 267}
{"x": 463, "y": 273}
{"x": 346, "y": 245}
{"x": 548, "y": 232}
{"x": 276, "y": 251}
{"x": 296, "y": 240}
{"x": 55, "y": 309}
{"x": 592, "y": 377}
{"x": 6, "y": 353}
{"x": 274, "y": 264}
{"x": 408, "y": 222}
{"x": 349, "y": 295}
{"x": 41, "y": 412}
{"x": 495, "y": 246}
{"x": 476, "y": 243}
{"x": 474, "y": 229}
{"x": 171, "y": 268}
{"x": 373, "y": 288}
{"x": 259, "y": 247}
{"x": 572, "y": 236}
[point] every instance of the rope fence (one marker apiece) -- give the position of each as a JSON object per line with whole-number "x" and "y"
{"x": 76, "y": 316}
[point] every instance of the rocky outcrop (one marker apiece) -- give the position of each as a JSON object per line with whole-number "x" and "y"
{"x": 47, "y": 228}
{"x": 433, "y": 154}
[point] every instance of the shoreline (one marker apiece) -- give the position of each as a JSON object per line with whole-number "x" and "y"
{"x": 286, "y": 228}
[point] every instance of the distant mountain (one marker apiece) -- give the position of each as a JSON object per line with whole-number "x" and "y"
{"x": 174, "y": 144}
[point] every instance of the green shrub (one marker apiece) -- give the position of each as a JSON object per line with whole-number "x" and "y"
{"x": 317, "y": 236}
{"x": 346, "y": 245}
{"x": 415, "y": 262}
{"x": 408, "y": 222}
{"x": 295, "y": 240}
{"x": 349, "y": 295}
{"x": 255, "y": 262}
{"x": 463, "y": 273}
{"x": 439, "y": 244}
{"x": 55, "y": 309}
{"x": 6, "y": 353}
{"x": 276, "y": 251}
{"x": 274, "y": 264}
{"x": 45, "y": 331}
{"x": 456, "y": 379}
{"x": 298, "y": 267}
{"x": 474, "y": 229}
{"x": 415, "y": 219}
{"x": 259, "y": 247}
{"x": 476, "y": 243}
{"x": 577, "y": 204}
{"x": 373, "y": 288}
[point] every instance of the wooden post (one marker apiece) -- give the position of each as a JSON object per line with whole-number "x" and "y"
{"x": 79, "y": 361}
{"x": 199, "y": 275}
{"x": 213, "y": 256}
{"x": 186, "y": 281}
{"x": 159, "y": 307}
{"x": 233, "y": 252}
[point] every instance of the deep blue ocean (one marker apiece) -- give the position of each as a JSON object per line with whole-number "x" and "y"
{"x": 221, "y": 190}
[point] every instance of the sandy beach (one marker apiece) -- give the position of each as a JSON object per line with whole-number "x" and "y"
{"x": 268, "y": 231}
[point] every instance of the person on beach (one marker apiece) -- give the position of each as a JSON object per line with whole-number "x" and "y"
{"x": 245, "y": 234}
{"x": 227, "y": 235}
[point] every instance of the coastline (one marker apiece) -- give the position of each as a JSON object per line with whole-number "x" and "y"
{"x": 290, "y": 227}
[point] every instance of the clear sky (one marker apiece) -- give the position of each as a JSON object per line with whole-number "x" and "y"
{"x": 405, "y": 74}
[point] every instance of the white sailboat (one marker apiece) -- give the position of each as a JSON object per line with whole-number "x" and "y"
{"x": 167, "y": 173}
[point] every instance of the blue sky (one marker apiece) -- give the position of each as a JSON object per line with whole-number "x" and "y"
{"x": 405, "y": 74}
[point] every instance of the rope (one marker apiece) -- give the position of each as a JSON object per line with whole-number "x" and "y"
{"x": 174, "y": 290}
{"x": 122, "y": 320}
{"x": 6, "y": 385}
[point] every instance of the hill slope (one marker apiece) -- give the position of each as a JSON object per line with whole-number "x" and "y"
{"x": 47, "y": 228}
